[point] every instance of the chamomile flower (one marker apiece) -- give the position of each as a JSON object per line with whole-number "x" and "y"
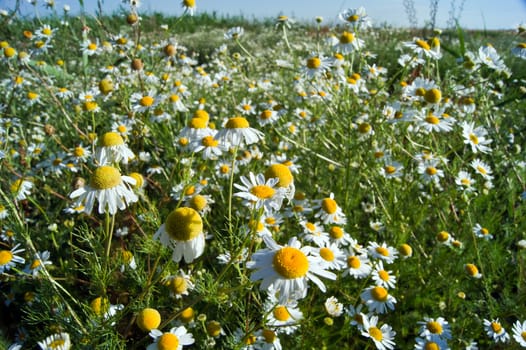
{"x": 358, "y": 266}
{"x": 482, "y": 232}
{"x": 333, "y": 257}
{"x": 209, "y": 147}
{"x": 329, "y": 211}
{"x": 378, "y": 299}
{"x": 316, "y": 65}
{"x": 519, "y": 50}
{"x": 431, "y": 327}
{"x": 348, "y": 42}
{"x": 431, "y": 121}
{"x": 111, "y": 189}
{"x": 495, "y": 331}
{"x": 148, "y": 319}
{"x": 382, "y": 337}
{"x": 475, "y": 137}
{"x": 482, "y": 169}
{"x": 357, "y": 17}
{"x": 287, "y": 269}
{"x": 314, "y": 232}
{"x": 112, "y": 149}
{"x": 246, "y": 107}
{"x": 21, "y": 188}
{"x": 267, "y": 339}
{"x": 383, "y": 277}
{"x": 464, "y": 181}
{"x": 333, "y": 307}
{"x": 260, "y": 193}
{"x": 142, "y": 102}
{"x": 9, "y": 258}
{"x": 391, "y": 169}
{"x": 382, "y": 252}
{"x": 91, "y": 48}
{"x": 429, "y": 171}
{"x": 188, "y": 6}
{"x": 432, "y": 342}
{"x": 237, "y": 132}
{"x": 284, "y": 318}
{"x": 180, "y": 284}
{"x": 424, "y": 49}
{"x": 40, "y": 259}
{"x": 234, "y": 33}
{"x": 175, "y": 339}
{"x": 519, "y": 333}
{"x": 183, "y": 232}
{"x": 284, "y": 176}
{"x": 58, "y": 341}
{"x": 472, "y": 270}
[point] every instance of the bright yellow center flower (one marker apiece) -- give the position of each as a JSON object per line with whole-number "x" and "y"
{"x": 382, "y": 251}
{"x": 269, "y": 336}
{"x": 432, "y": 119}
{"x": 209, "y": 141}
{"x": 329, "y": 205}
{"x": 471, "y": 269}
{"x": 481, "y": 170}
{"x": 389, "y": 169}
{"x": 179, "y": 285}
{"x": 431, "y": 346}
{"x": 474, "y": 139}
{"x": 198, "y": 202}
{"x": 364, "y": 128}
{"x": 146, "y": 101}
{"x": 433, "y": 95}
{"x": 336, "y": 232}
{"x": 497, "y": 328}
{"x": 184, "y": 224}
{"x": 384, "y": 275}
{"x": 442, "y": 236}
{"x": 105, "y": 177}
{"x": 57, "y": 343}
{"x": 353, "y": 262}
{"x": 92, "y": 46}
{"x": 290, "y": 263}
{"x": 168, "y": 341}
{"x": 189, "y": 3}
{"x": 213, "y": 328}
{"x": 431, "y": 170}
{"x": 100, "y": 305}
{"x": 187, "y": 315}
{"x": 423, "y": 44}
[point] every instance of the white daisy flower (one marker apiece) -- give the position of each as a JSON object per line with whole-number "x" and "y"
{"x": 175, "y": 339}
{"x": 111, "y": 189}
{"x": 519, "y": 333}
{"x": 435, "y": 327}
{"x": 358, "y": 266}
{"x": 382, "y": 252}
{"x": 285, "y": 317}
{"x": 112, "y": 149}
{"x": 378, "y": 299}
{"x": 40, "y": 259}
{"x": 58, "y": 341}
{"x": 382, "y": 277}
{"x": 482, "y": 169}
{"x": 287, "y": 268}
{"x": 260, "y": 193}
{"x": 330, "y": 212}
{"x": 21, "y": 188}
{"x": 8, "y": 258}
{"x": 495, "y": 331}
{"x": 183, "y": 232}
{"x": 333, "y": 307}
{"x": 475, "y": 137}
{"x": 382, "y": 337}
{"x": 237, "y": 132}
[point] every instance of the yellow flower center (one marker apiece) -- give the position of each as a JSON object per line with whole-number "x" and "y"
{"x": 290, "y": 263}
{"x": 269, "y": 336}
{"x": 484, "y": 231}
{"x": 471, "y": 269}
{"x": 329, "y": 205}
{"x": 39, "y": 44}
{"x": 433, "y": 96}
{"x": 78, "y": 151}
{"x": 442, "y": 236}
{"x": 57, "y": 343}
{"x": 465, "y": 182}
{"x": 213, "y": 328}
{"x": 174, "y": 98}
{"x": 474, "y": 139}
{"x": 183, "y": 141}
{"x": 105, "y": 177}
{"x": 250, "y": 339}
{"x": 224, "y": 169}
{"x": 280, "y": 171}
{"x": 237, "y": 123}
{"x": 497, "y": 328}
{"x": 111, "y": 139}
{"x": 423, "y": 44}
{"x": 262, "y": 191}
{"x": 326, "y": 254}
{"x": 187, "y": 315}
{"x": 364, "y": 128}
{"x": 90, "y": 106}
{"x": 346, "y": 38}
{"x": 209, "y": 141}
{"x": 189, "y": 3}
{"x": 376, "y": 333}
{"x": 405, "y": 249}
{"x": 420, "y": 92}
{"x": 313, "y": 63}
{"x": 523, "y": 335}
{"x": 353, "y": 262}
{"x": 434, "y": 327}
{"x": 5, "y": 257}
{"x": 200, "y": 113}
{"x": 389, "y": 169}
{"x": 139, "y": 179}
{"x": 100, "y": 305}
{"x": 384, "y": 275}
{"x": 184, "y": 224}
{"x": 266, "y": 114}
{"x": 146, "y": 101}
{"x": 9, "y": 52}
{"x": 353, "y": 18}
{"x": 336, "y": 232}
{"x": 179, "y": 285}
{"x": 431, "y": 170}
{"x": 382, "y": 251}
{"x": 168, "y": 341}
{"x": 106, "y": 86}
{"x": 169, "y": 50}
{"x": 32, "y": 95}
{"x": 379, "y": 293}
{"x": 148, "y": 319}
{"x": 34, "y": 264}
{"x": 92, "y": 46}
{"x": 281, "y": 313}
{"x": 432, "y": 119}
{"x": 482, "y": 170}
{"x": 431, "y": 346}
{"x": 198, "y": 202}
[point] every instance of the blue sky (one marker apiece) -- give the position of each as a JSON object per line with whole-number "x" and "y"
{"x": 477, "y": 14}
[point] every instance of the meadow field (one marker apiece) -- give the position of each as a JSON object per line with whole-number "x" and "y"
{"x": 201, "y": 182}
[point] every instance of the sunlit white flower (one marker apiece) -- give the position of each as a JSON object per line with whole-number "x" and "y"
{"x": 260, "y": 193}
{"x": 435, "y": 327}
{"x": 495, "y": 331}
{"x": 519, "y": 333}
{"x": 333, "y": 307}
{"x": 234, "y": 33}
{"x": 382, "y": 337}
{"x": 464, "y": 181}
{"x": 378, "y": 299}
{"x": 237, "y": 132}
{"x": 112, "y": 149}
{"x": 40, "y": 259}
{"x": 358, "y": 266}
{"x": 9, "y": 258}
{"x": 58, "y": 341}
{"x": 382, "y": 277}
{"x": 475, "y": 137}
{"x": 287, "y": 269}
{"x": 382, "y": 252}
{"x": 482, "y": 169}
{"x": 175, "y": 339}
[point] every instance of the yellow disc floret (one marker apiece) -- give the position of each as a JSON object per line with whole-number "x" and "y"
{"x": 329, "y": 205}
{"x": 184, "y": 224}
{"x": 168, "y": 341}
{"x": 111, "y": 139}
{"x": 290, "y": 263}
{"x": 237, "y": 123}
{"x": 148, "y": 319}
{"x": 379, "y": 293}
{"x": 280, "y": 171}
{"x": 281, "y": 313}
{"x": 105, "y": 177}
